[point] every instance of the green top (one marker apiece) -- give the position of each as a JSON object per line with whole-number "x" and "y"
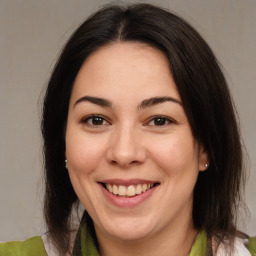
{"x": 251, "y": 246}
{"x": 34, "y": 246}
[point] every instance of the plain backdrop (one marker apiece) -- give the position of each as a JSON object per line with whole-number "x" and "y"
{"x": 31, "y": 36}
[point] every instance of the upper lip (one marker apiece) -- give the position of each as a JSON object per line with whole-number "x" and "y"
{"x": 128, "y": 181}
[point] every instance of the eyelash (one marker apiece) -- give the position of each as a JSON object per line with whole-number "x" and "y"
{"x": 162, "y": 119}
{"x": 94, "y": 118}
{"x": 165, "y": 119}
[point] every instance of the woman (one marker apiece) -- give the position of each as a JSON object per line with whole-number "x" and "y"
{"x": 139, "y": 126}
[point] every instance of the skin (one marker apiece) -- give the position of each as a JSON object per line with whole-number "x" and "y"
{"x": 127, "y": 144}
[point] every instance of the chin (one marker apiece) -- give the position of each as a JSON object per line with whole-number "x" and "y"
{"x": 129, "y": 235}
{"x": 129, "y": 230}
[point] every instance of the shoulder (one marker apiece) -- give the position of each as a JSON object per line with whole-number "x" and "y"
{"x": 31, "y": 246}
{"x": 242, "y": 247}
{"x": 245, "y": 246}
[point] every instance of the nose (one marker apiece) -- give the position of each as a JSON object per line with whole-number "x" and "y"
{"x": 126, "y": 148}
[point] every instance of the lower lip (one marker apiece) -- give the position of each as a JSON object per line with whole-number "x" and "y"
{"x": 127, "y": 202}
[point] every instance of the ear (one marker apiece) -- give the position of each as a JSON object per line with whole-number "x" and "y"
{"x": 203, "y": 159}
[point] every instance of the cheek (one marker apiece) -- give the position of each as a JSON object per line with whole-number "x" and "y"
{"x": 175, "y": 155}
{"x": 84, "y": 152}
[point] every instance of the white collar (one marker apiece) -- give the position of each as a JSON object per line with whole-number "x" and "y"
{"x": 239, "y": 248}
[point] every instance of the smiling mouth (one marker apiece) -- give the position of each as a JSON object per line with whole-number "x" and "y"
{"x": 128, "y": 191}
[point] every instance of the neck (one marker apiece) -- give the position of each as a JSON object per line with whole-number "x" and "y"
{"x": 176, "y": 241}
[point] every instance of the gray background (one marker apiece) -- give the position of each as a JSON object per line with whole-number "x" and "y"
{"x": 32, "y": 34}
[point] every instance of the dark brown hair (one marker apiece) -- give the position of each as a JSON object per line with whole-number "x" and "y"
{"x": 204, "y": 93}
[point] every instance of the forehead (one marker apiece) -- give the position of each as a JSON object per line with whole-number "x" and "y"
{"x": 125, "y": 69}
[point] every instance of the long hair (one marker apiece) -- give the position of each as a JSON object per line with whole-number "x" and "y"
{"x": 206, "y": 100}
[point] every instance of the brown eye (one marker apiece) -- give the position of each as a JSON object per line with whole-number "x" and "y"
{"x": 95, "y": 121}
{"x": 160, "y": 121}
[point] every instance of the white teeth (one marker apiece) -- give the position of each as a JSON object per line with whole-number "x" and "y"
{"x": 109, "y": 188}
{"x": 144, "y": 187}
{"x": 122, "y": 191}
{"x": 115, "y": 190}
{"x": 138, "y": 189}
{"x": 129, "y": 191}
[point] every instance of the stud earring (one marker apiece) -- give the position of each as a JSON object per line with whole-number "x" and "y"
{"x": 206, "y": 165}
{"x": 66, "y": 164}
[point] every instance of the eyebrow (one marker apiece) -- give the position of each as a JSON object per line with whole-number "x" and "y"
{"x": 144, "y": 104}
{"x": 95, "y": 100}
{"x": 157, "y": 100}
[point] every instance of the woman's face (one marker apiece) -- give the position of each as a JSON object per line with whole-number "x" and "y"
{"x": 132, "y": 158}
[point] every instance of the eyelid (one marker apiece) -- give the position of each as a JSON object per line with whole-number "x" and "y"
{"x": 167, "y": 118}
{"x": 85, "y": 119}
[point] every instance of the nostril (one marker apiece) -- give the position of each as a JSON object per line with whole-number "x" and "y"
{"x": 113, "y": 162}
{"x": 134, "y": 162}
{"x": 131, "y": 163}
